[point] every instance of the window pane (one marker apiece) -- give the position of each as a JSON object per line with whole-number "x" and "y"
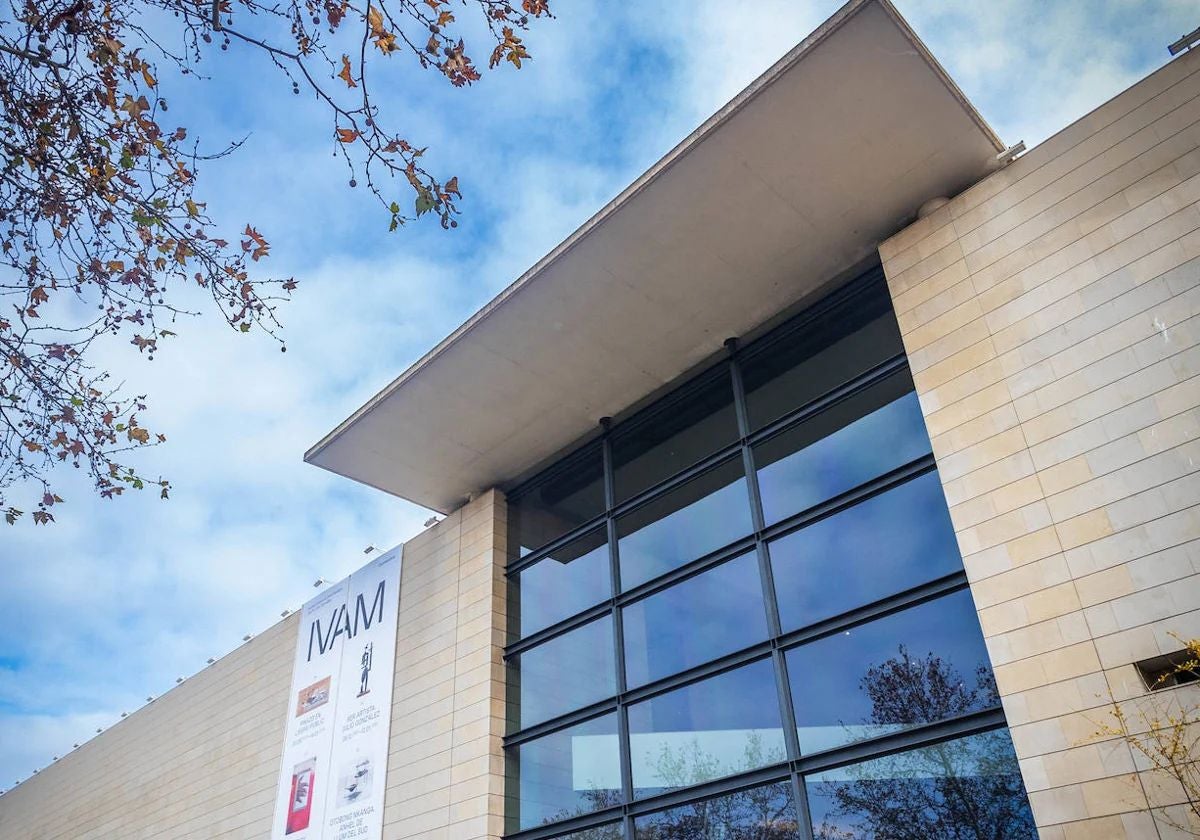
{"x": 877, "y": 548}
{"x": 762, "y": 813}
{"x": 922, "y": 665}
{"x": 706, "y": 730}
{"x": 965, "y": 788}
{"x": 673, "y": 435}
{"x": 570, "y": 580}
{"x": 565, "y": 498}
{"x": 608, "y": 831}
{"x": 695, "y": 621}
{"x": 566, "y": 673}
{"x": 824, "y": 355}
{"x": 703, "y": 515}
{"x": 852, "y": 442}
{"x": 565, "y": 774}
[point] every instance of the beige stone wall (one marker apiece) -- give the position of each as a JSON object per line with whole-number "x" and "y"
{"x": 202, "y": 760}
{"x": 1051, "y": 315}
{"x": 166, "y": 771}
{"x": 446, "y": 770}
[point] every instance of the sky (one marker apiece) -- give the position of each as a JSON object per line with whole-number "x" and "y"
{"x": 119, "y": 598}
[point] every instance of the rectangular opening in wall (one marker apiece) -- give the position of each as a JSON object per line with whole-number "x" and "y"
{"x": 1169, "y": 670}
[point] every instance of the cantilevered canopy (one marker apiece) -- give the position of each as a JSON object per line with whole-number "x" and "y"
{"x": 794, "y": 181}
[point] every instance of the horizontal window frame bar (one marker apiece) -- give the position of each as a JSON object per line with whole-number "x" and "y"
{"x": 914, "y": 596}
{"x": 555, "y": 724}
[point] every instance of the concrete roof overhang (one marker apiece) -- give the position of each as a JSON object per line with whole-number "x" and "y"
{"x": 797, "y": 179}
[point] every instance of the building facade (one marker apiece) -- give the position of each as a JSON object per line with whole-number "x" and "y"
{"x": 836, "y": 478}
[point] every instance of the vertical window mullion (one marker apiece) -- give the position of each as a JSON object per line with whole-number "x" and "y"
{"x": 803, "y": 817}
{"x": 610, "y": 524}
{"x": 774, "y": 629}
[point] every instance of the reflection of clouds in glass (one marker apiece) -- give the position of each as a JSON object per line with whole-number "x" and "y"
{"x": 870, "y": 446}
{"x": 695, "y": 621}
{"x": 570, "y": 772}
{"x": 568, "y": 672}
{"x": 877, "y": 548}
{"x": 566, "y": 583}
{"x": 721, "y": 712}
{"x": 685, "y": 534}
{"x": 669, "y": 760}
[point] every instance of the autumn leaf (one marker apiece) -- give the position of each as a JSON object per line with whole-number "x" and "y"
{"x": 345, "y": 74}
{"x": 150, "y": 80}
{"x": 347, "y": 135}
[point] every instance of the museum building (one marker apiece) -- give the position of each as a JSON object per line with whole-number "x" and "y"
{"x": 832, "y": 481}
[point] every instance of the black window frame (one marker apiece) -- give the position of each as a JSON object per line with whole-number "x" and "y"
{"x": 795, "y": 766}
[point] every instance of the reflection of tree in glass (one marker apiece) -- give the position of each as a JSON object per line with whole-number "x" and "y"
{"x": 762, "y": 813}
{"x": 693, "y": 765}
{"x": 911, "y": 690}
{"x": 967, "y": 789}
{"x": 592, "y": 799}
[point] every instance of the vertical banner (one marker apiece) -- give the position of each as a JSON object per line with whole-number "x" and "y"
{"x": 332, "y": 777}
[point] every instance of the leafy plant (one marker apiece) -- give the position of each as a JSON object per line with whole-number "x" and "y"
{"x": 1165, "y": 730}
{"x": 101, "y": 221}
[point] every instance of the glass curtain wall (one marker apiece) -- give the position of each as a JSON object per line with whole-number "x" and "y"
{"x": 742, "y": 613}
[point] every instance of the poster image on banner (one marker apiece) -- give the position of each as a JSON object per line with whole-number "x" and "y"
{"x": 332, "y": 776}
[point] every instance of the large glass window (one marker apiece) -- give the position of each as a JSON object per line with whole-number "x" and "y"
{"x": 970, "y": 787}
{"x": 678, "y": 432}
{"x": 720, "y": 726}
{"x": 566, "y": 582}
{"x": 701, "y": 619}
{"x": 566, "y": 774}
{"x": 828, "y": 352}
{"x": 566, "y": 673}
{"x": 556, "y": 503}
{"x": 758, "y": 813}
{"x": 921, "y": 665}
{"x": 749, "y": 589}
{"x": 684, "y": 524}
{"x": 885, "y": 545}
{"x": 844, "y": 446}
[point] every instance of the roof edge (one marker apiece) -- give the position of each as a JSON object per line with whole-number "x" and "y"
{"x": 678, "y": 152}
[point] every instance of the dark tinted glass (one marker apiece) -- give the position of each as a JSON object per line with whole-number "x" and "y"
{"x": 969, "y": 788}
{"x": 922, "y": 665}
{"x": 717, "y": 727}
{"x": 762, "y": 813}
{"x": 820, "y": 355}
{"x": 854, "y": 441}
{"x": 565, "y": 498}
{"x": 568, "y": 773}
{"x": 566, "y": 673}
{"x": 693, "y": 622}
{"x": 570, "y": 580}
{"x": 676, "y": 433}
{"x": 880, "y": 547}
{"x": 708, "y": 512}
{"x": 608, "y": 831}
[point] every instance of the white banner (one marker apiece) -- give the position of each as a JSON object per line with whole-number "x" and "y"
{"x": 332, "y": 777}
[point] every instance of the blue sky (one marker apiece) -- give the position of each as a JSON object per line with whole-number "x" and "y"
{"x": 120, "y": 598}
